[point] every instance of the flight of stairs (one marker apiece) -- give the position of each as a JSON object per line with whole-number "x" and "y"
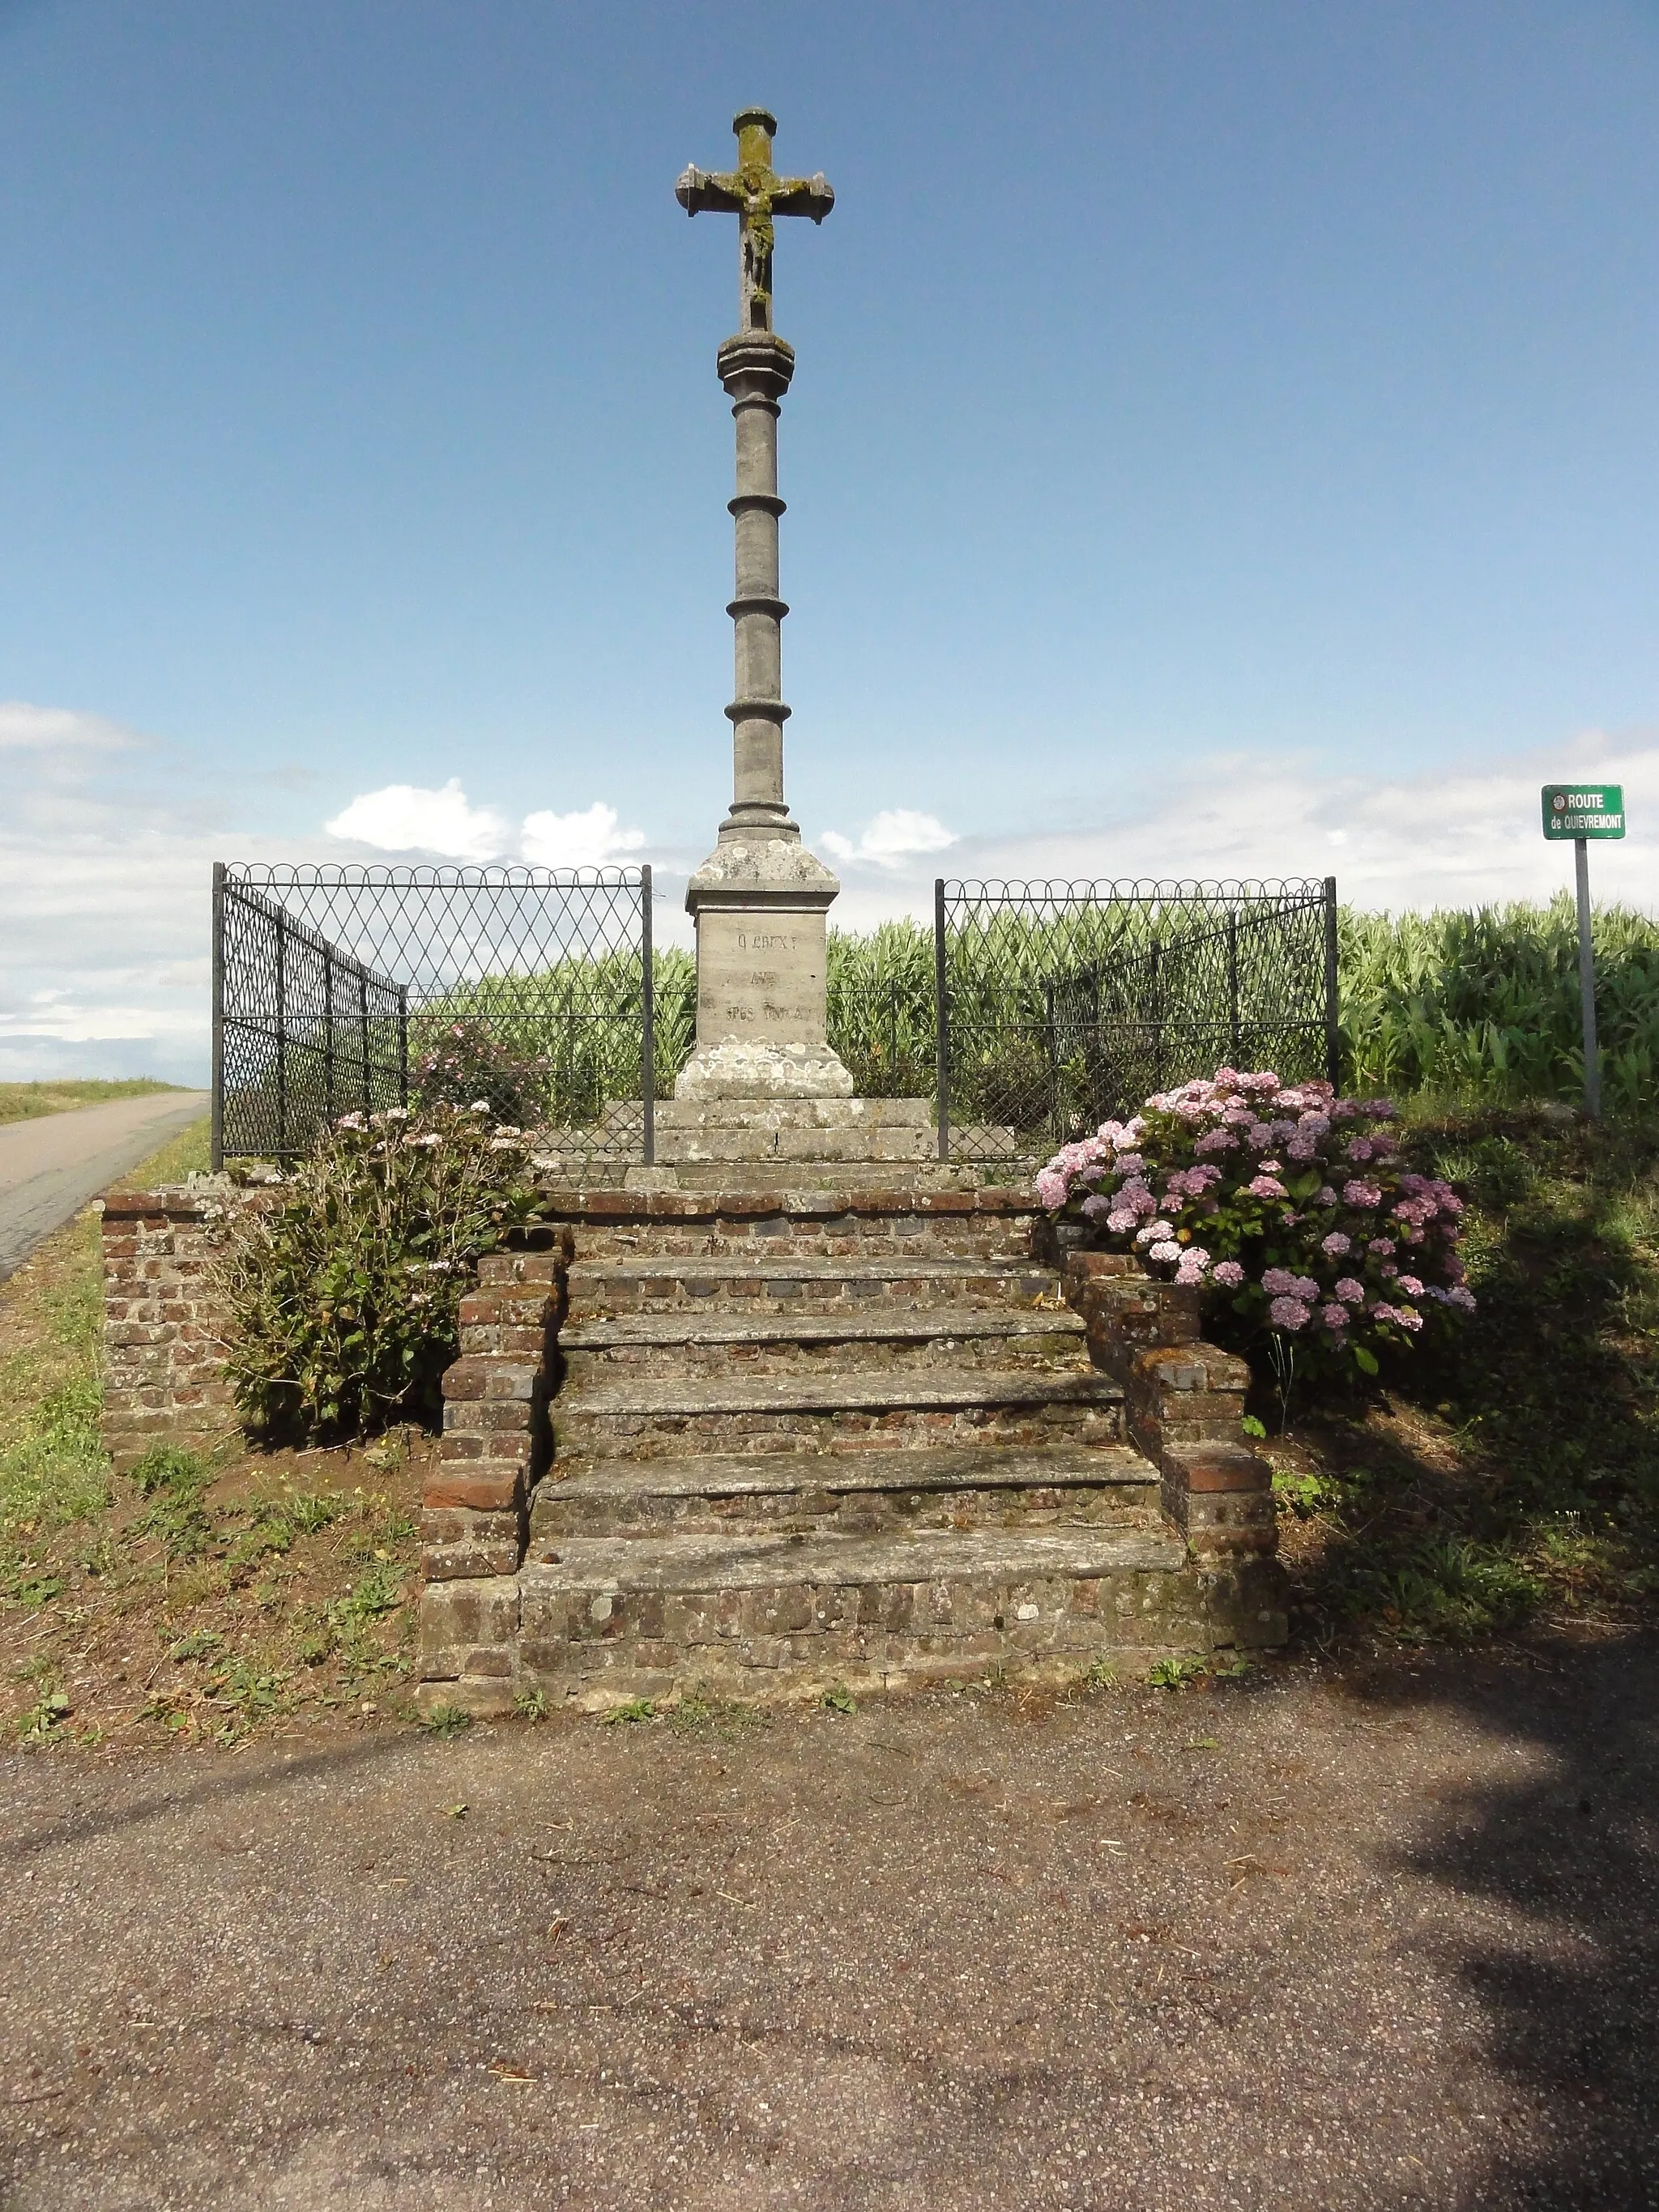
{"x": 804, "y": 1440}
{"x": 789, "y": 1411}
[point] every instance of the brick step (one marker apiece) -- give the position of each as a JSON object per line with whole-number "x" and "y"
{"x": 700, "y": 1345}
{"x": 855, "y": 1492}
{"x": 1031, "y": 1405}
{"x": 669, "y": 1283}
{"x": 918, "y": 1223}
{"x": 617, "y": 1617}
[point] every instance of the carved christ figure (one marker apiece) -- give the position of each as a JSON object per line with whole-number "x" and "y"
{"x": 755, "y": 193}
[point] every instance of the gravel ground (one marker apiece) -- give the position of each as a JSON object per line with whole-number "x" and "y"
{"x": 1312, "y": 1939}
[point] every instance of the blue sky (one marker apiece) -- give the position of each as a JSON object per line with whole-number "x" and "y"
{"x": 1222, "y": 442}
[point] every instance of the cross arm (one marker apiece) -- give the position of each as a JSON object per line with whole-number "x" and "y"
{"x": 697, "y": 192}
{"x": 700, "y": 191}
{"x": 813, "y": 196}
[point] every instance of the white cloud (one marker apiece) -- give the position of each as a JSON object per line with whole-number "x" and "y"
{"x": 589, "y": 839}
{"x": 1463, "y": 837}
{"x": 895, "y": 835}
{"x": 403, "y": 818}
{"x": 44, "y": 727}
{"x": 107, "y": 848}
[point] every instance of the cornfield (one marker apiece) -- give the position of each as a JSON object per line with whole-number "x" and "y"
{"x": 1474, "y": 1001}
{"x": 1487, "y": 1001}
{"x": 1483, "y": 999}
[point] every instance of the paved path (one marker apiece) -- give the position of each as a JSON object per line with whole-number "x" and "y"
{"x": 53, "y": 1165}
{"x": 1304, "y": 1944}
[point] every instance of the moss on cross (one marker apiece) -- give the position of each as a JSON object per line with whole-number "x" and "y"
{"x": 756, "y": 194}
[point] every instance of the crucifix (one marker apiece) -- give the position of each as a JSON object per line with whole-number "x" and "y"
{"x": 760, "y": 899}
{"x": 754, "y": 192}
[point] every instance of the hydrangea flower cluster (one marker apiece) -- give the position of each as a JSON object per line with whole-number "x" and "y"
{"x": 1288, "y": 1200}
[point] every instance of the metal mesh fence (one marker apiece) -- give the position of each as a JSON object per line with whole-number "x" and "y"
{"x": 1032, "y": 1010}
{"x": 337, "y": 988}
{"x": 1063, "y": 1004}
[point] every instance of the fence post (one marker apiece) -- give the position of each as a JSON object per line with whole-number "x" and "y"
{"x": 362, "y": 1031}
{"x": 1051, "y": 1047}
{"x": 647, "y": 1023}
{"x": 216, "y": 1152}
{"x": 403, "y": 1045}
{"x": 1234, "y": 1043}
{"x": 1333, "y": 996}
{"x": 328, "y": 1036}
{"x": 941, "y": 1022}
{"x": 282, "y": 1034}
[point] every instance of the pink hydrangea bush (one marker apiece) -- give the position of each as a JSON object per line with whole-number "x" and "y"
{"x": 1287, "y": 1206}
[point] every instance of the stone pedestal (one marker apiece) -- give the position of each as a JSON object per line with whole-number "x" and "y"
{"x": 760, "y": 910}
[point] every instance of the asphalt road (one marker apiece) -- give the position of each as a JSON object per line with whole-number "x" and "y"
{"x": 1304, "y": 1943}
{"x": 52, "y": 1165}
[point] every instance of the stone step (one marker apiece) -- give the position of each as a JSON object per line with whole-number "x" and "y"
{"x": 829, "y": 1412}
{"x": 670, "y": 1283}
{"x": 699, "y": 1344}
{"x": 847, "y": 1491}
{"x": 904, "y": 1324}
{"x": 611, "y": 1619}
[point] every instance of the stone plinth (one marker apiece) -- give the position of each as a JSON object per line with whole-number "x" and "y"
{"x": 760, "y": 905}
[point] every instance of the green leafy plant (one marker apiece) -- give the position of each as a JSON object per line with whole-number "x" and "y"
{"x": 443, "y": 1720}
{"x": 173, "y": 1481}
{"x": 51, "y": 1709}
{"x": 1173, "y": 1673}
{"x": 343, "y": 1290}
{"x": 636, "y": 1708}
{"x": 838, "y": 1698}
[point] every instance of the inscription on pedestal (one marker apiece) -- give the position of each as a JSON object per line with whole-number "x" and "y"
{"x": 758, "y": 981}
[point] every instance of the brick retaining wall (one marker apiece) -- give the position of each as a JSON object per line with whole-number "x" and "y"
{"x": 164, "y": 1378}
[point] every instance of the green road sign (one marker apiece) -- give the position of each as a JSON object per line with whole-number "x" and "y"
{"x": 1576, "y": 811}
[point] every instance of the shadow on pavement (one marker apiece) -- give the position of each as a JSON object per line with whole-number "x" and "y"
{"x": 1571, "y": 1995}
{"x": 231, "y": 1780}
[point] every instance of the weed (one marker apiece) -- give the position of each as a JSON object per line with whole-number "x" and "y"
{"x": 1101, "y": 1674}
{"x": 33, "y": 1590}
{"x": 173, "y": 1482}
{"x": 1454, "y": 1589}
{"x": 446, "y": 1720}
{"x": 1173, "y": 1673}
{"x": 699, "y": 1714}
{"x": 45, "y": 1715}
{"x": 250, "y": 1695}
{"x": 200, "y": 1643}
{"x": 531, "y": 1705}
{"x": 838, "y": 1698}
{"x": 166, "y": 1467}
{"x": 636, "y": 1708}
{"x": 1317, "y": 1491}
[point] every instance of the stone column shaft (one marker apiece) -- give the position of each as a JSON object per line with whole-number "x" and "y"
{"x": 756, "y": 371}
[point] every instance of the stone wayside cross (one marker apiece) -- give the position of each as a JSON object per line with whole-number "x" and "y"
{"x": 760, "y": 900}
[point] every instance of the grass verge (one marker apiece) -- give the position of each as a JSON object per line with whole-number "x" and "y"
{"x": 190, "y": 1599}
{"x": 1513, "y": 1474}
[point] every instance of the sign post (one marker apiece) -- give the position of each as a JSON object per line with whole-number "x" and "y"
{"x": 1582, "y": 815}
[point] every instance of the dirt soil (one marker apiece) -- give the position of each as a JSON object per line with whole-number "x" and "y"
{"x": 1379, "y": 1937}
